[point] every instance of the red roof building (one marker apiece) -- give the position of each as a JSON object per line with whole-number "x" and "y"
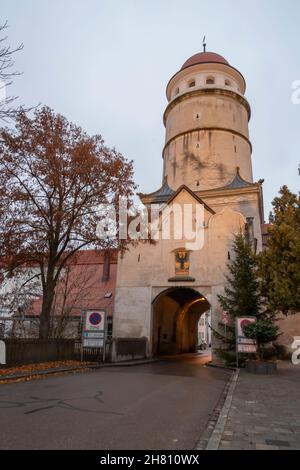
{"x": 89, "y": 281}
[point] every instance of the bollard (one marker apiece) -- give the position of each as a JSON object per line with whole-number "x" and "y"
{"x": 2, "y": 352}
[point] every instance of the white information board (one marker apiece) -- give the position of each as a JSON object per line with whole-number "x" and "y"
{"x": 244, "y": 344}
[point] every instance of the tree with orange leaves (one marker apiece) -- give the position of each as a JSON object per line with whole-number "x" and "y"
{"x": 53, "y": 176}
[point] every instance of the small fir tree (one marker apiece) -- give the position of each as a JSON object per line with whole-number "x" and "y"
{"x": 263, "y": 331}
{"x": 241, "y": 295}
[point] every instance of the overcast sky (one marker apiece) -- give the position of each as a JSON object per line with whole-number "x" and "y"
{"x": 105, "y": 64}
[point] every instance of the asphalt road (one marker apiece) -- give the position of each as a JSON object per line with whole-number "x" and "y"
{"x": 164, "y": 405}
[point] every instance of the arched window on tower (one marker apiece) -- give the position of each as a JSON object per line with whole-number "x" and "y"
{"x": 176, "y": 92}
{"x": 192, "y": 83}
{"x": 227, "y": 83}
{"x": 210, "y": 81}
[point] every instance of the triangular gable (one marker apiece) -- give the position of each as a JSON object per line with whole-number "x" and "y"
{"x": 194, "y": 195}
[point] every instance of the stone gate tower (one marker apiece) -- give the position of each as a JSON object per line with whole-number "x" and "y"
{"x": 164, "y": 288}
{"x": 206, "y": 123}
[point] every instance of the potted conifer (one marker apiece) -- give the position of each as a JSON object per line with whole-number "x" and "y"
{"x": 264, "y": 331}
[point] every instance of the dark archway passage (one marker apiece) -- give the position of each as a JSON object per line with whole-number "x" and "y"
{"x": 176, "y": 312}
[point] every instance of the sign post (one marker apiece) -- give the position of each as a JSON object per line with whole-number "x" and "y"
{"x": 2, "y": 352}
{"x": 244, "y": 344}
{"x": 94, "y": 330}
{"x": 225, "y": 321}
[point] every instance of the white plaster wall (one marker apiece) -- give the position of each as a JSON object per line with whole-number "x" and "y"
{"x": 144, "y": 271}
{"x": 207, "y": 110}
{"x": 132, "y": 314}
{"x": 200, "y": 81}
{"x": 245, "y": 203}
{"x": 206, "y": 160}
{"x": 207, "y": 137}
{"x": 199, "y": 72}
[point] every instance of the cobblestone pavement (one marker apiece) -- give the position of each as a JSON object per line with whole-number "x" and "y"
{"x": 265, "y": 411}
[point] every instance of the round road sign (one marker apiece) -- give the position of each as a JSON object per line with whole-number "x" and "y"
{"x": 95, "y": 318}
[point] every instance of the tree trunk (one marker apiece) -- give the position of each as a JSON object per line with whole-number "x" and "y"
{"x": 260, "y": 351}
{"x": 45, "y": 317}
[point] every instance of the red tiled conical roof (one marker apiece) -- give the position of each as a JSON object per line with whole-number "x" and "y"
{"x": 204, "y": 57}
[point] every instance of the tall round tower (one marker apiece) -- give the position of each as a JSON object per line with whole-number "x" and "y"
{"x": 164, "y": 287}
{"x": 206, "y": 121}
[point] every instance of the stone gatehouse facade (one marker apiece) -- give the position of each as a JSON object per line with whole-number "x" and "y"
{"x": 162, "y": 289}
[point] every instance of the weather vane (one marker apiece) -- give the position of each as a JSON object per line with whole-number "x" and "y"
{"x": 204, "y": 44}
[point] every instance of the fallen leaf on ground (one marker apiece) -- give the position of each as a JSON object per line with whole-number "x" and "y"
{"x": 31, "y": 368}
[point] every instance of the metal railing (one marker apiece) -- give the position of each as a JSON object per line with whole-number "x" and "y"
{"x": 28, "y": 327}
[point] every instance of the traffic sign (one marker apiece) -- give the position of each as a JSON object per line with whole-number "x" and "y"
{"x": 93, "y": 343}
{"x": 94, "y": 320}
{"x": 225, "y": 318}
{"x": 244, "y": 344}
{"x": 93, "y": 333}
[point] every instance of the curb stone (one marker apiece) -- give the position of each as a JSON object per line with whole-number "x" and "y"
{"x": 220, "y": 366}
{"x": 74, "y": 369}
{"x": 215, "y": 438}
{"x": 211, "y": 437}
